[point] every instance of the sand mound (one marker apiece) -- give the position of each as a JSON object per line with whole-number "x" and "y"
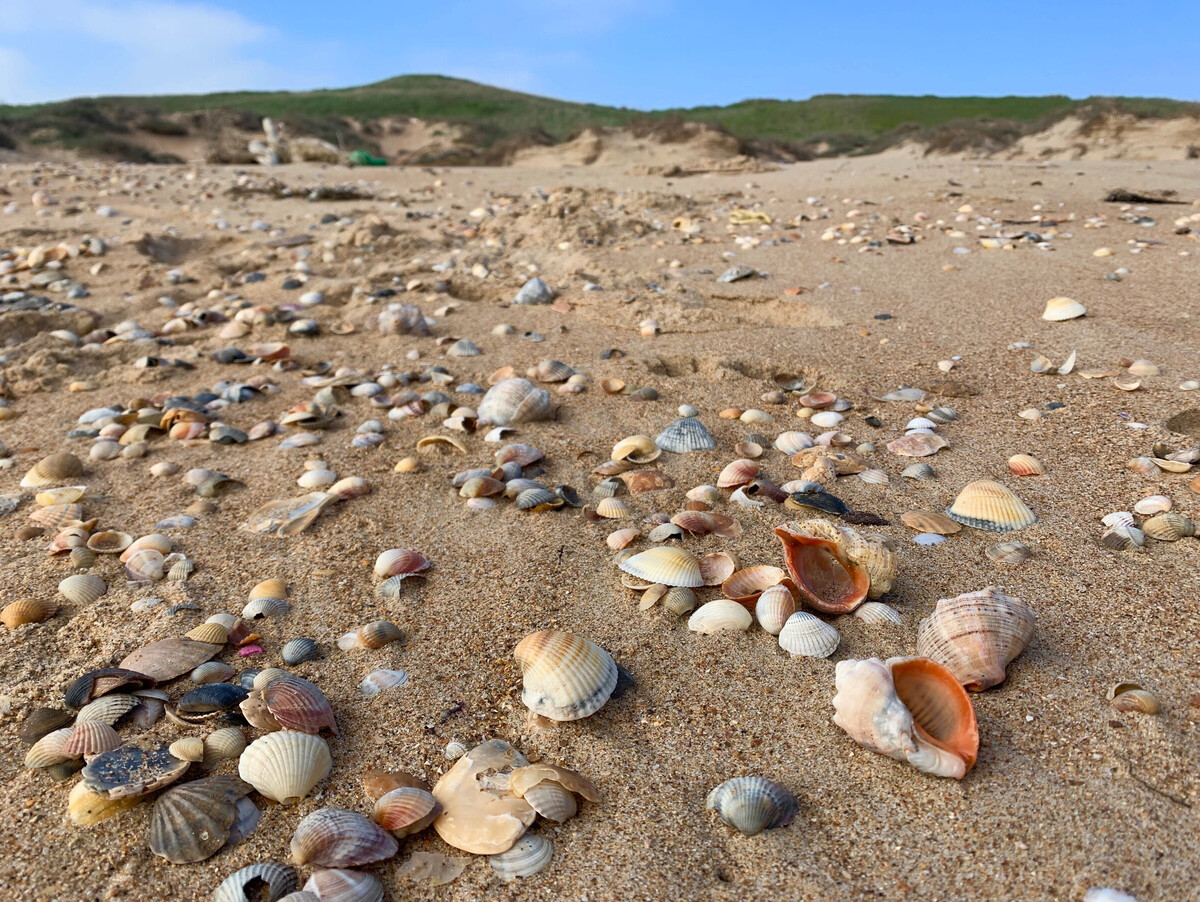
{"x": 1112, "y": 137}
{"x": 625, "y": 147}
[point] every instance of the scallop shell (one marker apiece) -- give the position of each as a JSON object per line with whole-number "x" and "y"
{"x": 191, "y": 822}
{"x": 382, "y": 680}
{"x": 752, "y": 804}
{"x": 406, "y": 810}
{"x": 917, "y": 471}
{"x": 53, "y": 470}
{"x": 90, "y": 738}
{"x": 269, "y": 588}
{"x": 1169, "y": 527}
{"x": 721, "y": 615}
{"x": 478, "y": 817}
{"x": 513, "y": 401}
{"x": 337, "y": 838}
{"x": 539, "y": 498}
{"x": 279, "y": 879}
{"x": 400, "y": 562}
{"x": 1008, "y": 553}
{"x": 286, "y": 765}
{"x": 875, "y": 612}
{"x": 27, "y": 610}
{"x": 679, "y": 600}
{"x": 773, "y": 608}
{"x": 669, "y": 566}
{"x": 989, "y": 505}
{"x": 742, "y": 471}
{"x": 108, "y": 708}
{"x": 1026, "y": 465}
{"x": 261, "y": 607}
{"x": 836, "y": 568}
{"x": 807, "y": 636}
{"x": 552, "y": 801}
{"x": 565, "y": 677}
{"x": 223, "y": 744}
{"x": 1060, "y": 308}
{"x": 685, "y": 436}
{"x": 168, "y": 658}
{"x": 298, "y": 704}
{"x": 338, "y": 885}
{"x": 911, "y": 709}
{"x": 82, "y": 589}
{"x": 527, "y": 856}
{"x": 132, "y": 770}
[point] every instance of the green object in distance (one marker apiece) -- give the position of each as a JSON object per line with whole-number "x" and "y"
{"x": 362, "y": 158}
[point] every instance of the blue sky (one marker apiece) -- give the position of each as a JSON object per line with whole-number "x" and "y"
{"x": 638, "y": 53}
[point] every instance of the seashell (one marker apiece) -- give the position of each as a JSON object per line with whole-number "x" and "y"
{"x": 179, "y": 569}
{"x": 613, "y": 508}
{"x": 550, "y": 371}
{"x": 685, "y": 436}
{"x": 740, "y": 472}
{"x": 976, "y": 635}
{"x": 298, "y": 704}
{"x": 86, "y": 808}
{"x": 109, "y": 542}
{"x": 717, "y": 567}
{"x": 925, "y": 521}
{"x": 168, "y": 658}
{"x": 48, "y": 749}
{"x": 211, "y": 697}
{"x": 145, "y": 565}
{"x": 289, "y": 516}
{"x": 269, "y": 588}
{"x": 539, "y": 499}
{"x": 279, "y": 880}
{"x": 155, "y": 541}
{"x": 827, "y": 419}
{"x": 90, "y": 738}
{"x": 372, "y": 635}
{"x": 918, "y": 444}
{"x": 337, "y": 838}
{"x": 1154, "y": 504}
{"x": 1129, "y": 697}
{"x": 264, "y": 678}
{"x": 212, "y": 633}
{"x": 377, "y": 782}
{"x": 1170, "y": 466}
{"x": 773, "y": 608}
{"x": 298, "y": 651}
{"x": 622, "y": 538}
{"x": 565, "y": 677}
{"x": 746, "y": 585}
{"x": 191, "y": 822}
{"x": 667, "y": 565}
{"x": 454, "y": 750}
{"x": 1059, "y": 309}
{"x": 82, "y": 558}
{"x": 57, "y": 515}
{"x": 721, "y": 615}
{"x": 836, "y": 568}
{"x": 792, "y": 443}
{"x": 258, "y": 715}
{"x": 876, "y": 612}
{"x": 69, "y": 494}
{"x": 917, "y": 471}
{"x": 400, "y": 562}
{"x": 42, "y": 722}
{"x": 478, "y": 817}
{"x": 752, "y": 804}
{"x": 82, "y": 589}
{"x": 285, "y": 766}
{"x": 527, "y": 856}
{"x": 612, "y": 386}
{"x": 1169, "y": 527}
{"x": 1026, "y": 465}
{"x": 1122, "y": 538}
{"x": 709, "y": 494}
{"x": 378, "y": 681}
{"x": 96, "y": 683}
{"x": 874, "y": 477}
{"x": 132, "y": 770}
{"x": 55, "y": 469}
{"x": 641, "y": 481}
{"x": 636, "y": 449}
{"x": 513, "y": 401}
{"x": 108, "y": 708}
{"x": 223, "y": 744}
{"x": 1143, "y": 367}
{"x": 1011, "y": 553}
{"x": 258, "y": 608}
{"x": 27, "y": 610}
{"x": 819, "y": 500}
{"x": 337, "y": 885}
{"x": 808, "y": 636}
{"x": 406, "y": 810}
{"x": 986, "y": 504}
{"x": 911, "y": 709}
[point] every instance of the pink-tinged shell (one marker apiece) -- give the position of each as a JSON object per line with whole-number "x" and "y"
{"x": 90, "y": 738}
{"x": 406, "y": 810}
{"x": 247, "y": 651}
{"x": 977, "y": 635}
{"x": 518, "y": 453}
{"x": 622, "y": 538}
{"x": 746, "y": 585}
{"x": 400, "y": 562}
{"x": 717, "y": 567}
{"x": 336, "y": 838}
{"x": 299, "y": 705}
{"x": 740, "y": 472}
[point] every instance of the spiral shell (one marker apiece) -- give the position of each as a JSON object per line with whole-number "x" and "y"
{"x": 977, "y": 635}
{"x": 566, "y": 677}
{"x": 513, "y": 401}
{"x": 752, "y": 804}
{"x": 807, "y": 636}
{"x": 406, "y": 810}
{"x": 336, "y": 838}
{"x": 286, "y": 765}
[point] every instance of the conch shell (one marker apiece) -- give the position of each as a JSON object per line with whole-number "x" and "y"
{"x": 976, "y": 635}
{"x": 910, "y": 709}
{"x": 836, "y": 568}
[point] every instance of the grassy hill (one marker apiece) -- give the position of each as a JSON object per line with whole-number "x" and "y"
{"x": 837, "y": 123}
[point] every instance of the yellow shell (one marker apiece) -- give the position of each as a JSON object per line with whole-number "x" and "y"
{"x": 26, "y": 610}
{"x": 1026, "y": 465}
{"x": 212, "y": 633}
{"x": 986, "y": 504}
{"x": 1169, "y": 527}
{"x": 612, "y": 508}
{"x": 86, "y": 808}
{"x": 566, "y": 677}
{"x": 269, "y": 588}
{"x": 1060, "y": 308}
{"x": 189, "y": 748}
{"x": 924, "y": 521}
{"x": 65, "y": 495}
{"x": 285, "y": 766}
{"x": 638, "y": 449}
{"x": 667, "y": 565}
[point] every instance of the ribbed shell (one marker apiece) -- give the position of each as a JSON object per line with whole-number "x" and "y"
{"x": 191, "y": 822}
{"x": 108, "y": 708}
{"x": 752, "y": 804}
{"x": 552, "y": 801}
{"x": 514, "y": 401}
{"x": 1008, "y": 553}
{"x": 48, "y": 750}
{"x": 90, "y": 738}
{"x": 41, "y": 722}
{"x": 876, "y": 612}
{"x": 279, "y": 878}
{"x": 223, "y": 744}
{"x": 299, "y": 705}
{"x": 685, "y": 436}
{"x": 337, "y": 838}
{"x": 668, "y": 566}
{"x": 748, "y": 584}
{"x": 989, "y": 505}
{"x": 740, "y": 472}
{"x": 566, "y": 677}
{"x": 976, "y": 635}
{"x": 298, "y": 651}
{"x": 528, "y": 855}
{"x": 1026, "y": 465}
{"x": 406, "y": 810}
{"x": 338, "y": 885}
{"x": 926, "y": 521}
{"x": 400, "y": 561}
{"x": 376, "y": 634}
{"x": 212, "y": 633}
{"x": 1169, "y": 527}
{"x": 212, "y": 672}
{"x": 807, "y": 636}
{"x": 261, "y": 607}
{"x": 718, "y": 616}
{"x": 612, "y": 508}
{"x": 53, "y": 470}
{"x": 773, "y": 608}
{"x": 285, "y": 766}
{"x": 27, "y": 610}
{"x": 382, "y": 680}
{"x": 83, "y": 588}
{"x": 793, "y": 442}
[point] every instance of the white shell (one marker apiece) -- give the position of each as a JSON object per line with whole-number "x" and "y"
{"x": 808, "y": 636}
{"x": 793, "y": 442}
{"x": 378, "y": 681}
{"x": 718, "y": 616}
{"x": 827, "y": 419}
{"x": 773, "y": 608}
{"x": 285, "y": 765}
{"x": 528, "y": 855}
{"x": 1155, "y": 504}
{"x": 875, "y": 612}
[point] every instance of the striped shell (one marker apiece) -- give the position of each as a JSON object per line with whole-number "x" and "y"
{"x": 613, "y": 508}
{"x": 565, "y": 677}
{"x": 337, "y": 838}
{"x": 876, "y": 612}
{"x": 212, "y": 672}
{"x": 622, "y": 538}
{"x": 752, "y": 804}
{"x": 527, "y": 856}
{"x": 27, "y": 610}
{"x": 1010, "y": 553}
{"x": 793, "y": 442}
{"x": 285, "y": 766}
{"x": 684, "y": 436}
{"x": 773, "y": 608}
{"x": 400, "y": 561}
{"x": 1169, "y": 527}
{"x": 108, "y": 708}
{"x": 212, "y": 633}
{"x": 406, "y": 810}
{"x": 718, "y": 616}
{"x": 926, "y": 521}
{"x": 83, "y": 588}
{"x": 279, "y": 879}
{"x": 53, "y": 470}
{"x": 90, "y": 738}
{"x": 192, "y": 822}
{"x": 807, "y": 636}
{"x": 265, "y": 606}
{"x": 740, "y": 472}
{"x": 666, "y": 565}
{"x": 1026, "y": 465}
{"x": 223, "y": 744}
{"x": 976, "y": 635}
{"x": 382, "y": 680}
{"x": 512, "y": 401}
{"x": 298, "y": 651}
{"x": 376, "y": 634}
{"x": 298, "y": 704}
{"x": 48, "y": 750}
{"x": 986, "y": 504}
{"x": 338, "y": 885}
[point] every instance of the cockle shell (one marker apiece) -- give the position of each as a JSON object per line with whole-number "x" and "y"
{"x": 721, "y": 615}
{"x": 212, "y": 633}
{"x": 685, "y": 436}
{"x": 53, "y": 470}
{"x": 298, "y": 704}
{"x": 791, "y": 443}
{"x": 27, "y": 610}
{"x": 976, "y": 635}
{"x": 90, "y": 738}
{"x": 286, "y": 765}
{"x": 989, "y": 505}
{"x": 376, "y": 634}
{"x": 527, "y": 856}
{"x": 339, "y": 885}
{"x": 382, "y": 680}
{"x": 612, "y": 508}
{"x": 337, "y": 838}
{"x": 804, "y": 635}
{"x": 514, "y": 401}
{"x": 1061, "y": 308}
{"x": 109, "y": 542}
{"x": 773, "y": 608}
{"x": 740, "y": 472}
{"x": 875, "y": 612}
{"x": 189, "y": 748}
{"x": 666, "y": 565}
{"x": 406, "y": 810}
{"x": 622, "y": 538}
{"x": 269, "y": 588}
{"x": 1026, "y": 465}
{"x": 82, "y": 589}
{"x": 929, "y": 522}
{"x": 300, "y": 650}
{"x": 836, "y": 568}
{"x": 480, "y": 816}
{"x": 192, "y": 822}
{"x": 1129, "y": 697}
{"x": 1167, "y": 527}
{"x": 223, "y": 744}
{"x": 716, "y": 568}
{"x": 565, "y": 677}
{"x": 279, "y": 880}
{"x": 752, "y": 804}
{"x": 911, "y": 709}
{"x": 48, "y": 750}
{"x": 1151, "y": 505}
{"x": 637, "y": 449}
{"x": 108, "y": 708}
{"x": 400, "y": 562}
{"x": 41, "y": 722}
{"x": 258, "y": 608}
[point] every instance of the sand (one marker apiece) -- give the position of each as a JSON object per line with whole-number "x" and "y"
{"x": 1067, "y": 793}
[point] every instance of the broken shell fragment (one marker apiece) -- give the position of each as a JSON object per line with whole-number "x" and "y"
{"x": 478, "y": 816}
{"x": 977, "y": 635}
{"x": 986, "y": 504}
{"x": 565, "y": 677}
{"x": 752, "y": 804}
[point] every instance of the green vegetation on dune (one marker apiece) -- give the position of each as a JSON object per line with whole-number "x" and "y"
{"x": 826, "y": 123}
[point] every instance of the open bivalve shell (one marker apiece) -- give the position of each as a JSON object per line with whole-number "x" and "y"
{"x": 278, "y": 879}
{"x": 977, "y": 635}
{"x": 340, "y": 885}
{"x": 480, "y": 814}
{"x": 337, "y": 838}
{"x": 752, "y": 804}
{"x": 565, "y": 677}
{"x": 286, "y": 765}
{"x": 911, "y": 709}
{"x": 836, "y": 568}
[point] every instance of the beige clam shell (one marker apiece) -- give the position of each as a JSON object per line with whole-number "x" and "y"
{"x": 483, "y": 819}
{"x": 27, "y": 610}
{"x": 1062, "y": 308}
{"x": 512, "y": 401}
{"x": 721, "y": 615}
{"x": 613, "y": 509}
{"x": 565, "y": 677}
{"x": 773, "y": 608}
{"x": 285, "y": 766}
{"x": 986, "y": 504}
{"x": 269, "y": 588}
{"x": 1169, "y": 527}
{"x": 667, "y": 565}
{"x": 876, "y": 612}
{"x": 83, "y": 588}
{"x": 223, "y": 744}
{"x": 638, "y": 449}
{"x": 53, "y": 470}
{"x": 976, "y": 635}
{"x": 528, "y": 855}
